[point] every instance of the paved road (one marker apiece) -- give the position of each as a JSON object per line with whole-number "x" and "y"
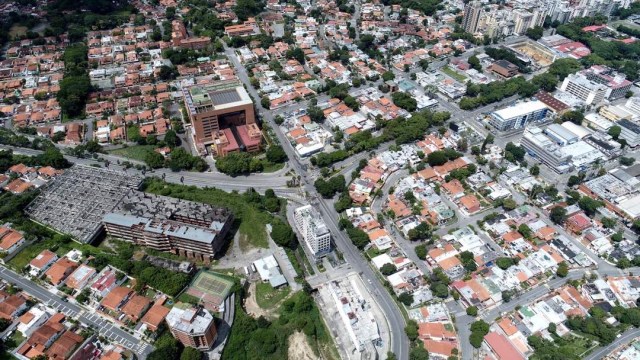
{"x": 98, "y": 323}
{"x": 260, "y": 182}
{"x": 626, "y": 337}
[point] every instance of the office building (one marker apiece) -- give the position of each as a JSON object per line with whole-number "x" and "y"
{"x": 584, "y": 89}
{"x": 542, "y": 147}
{"x": 218, "y": 106}
{"x": 313, "y": 230}
{"x": 472, "y": 13}
{"x": 192, "y": 326}
{"x": 630, "y": 132}
{"x": 561, "y": 146}
{"x": 519, "y": 115}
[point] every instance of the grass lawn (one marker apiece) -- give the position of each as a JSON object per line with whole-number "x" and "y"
{"x": 459, "y": 77}
{"x": 136, "y": 152}
{"x": 15, "y": 339}
{"x": 252, "y": 221}
{"x": 268, "y": 297}
{"x": 269, "y": 167}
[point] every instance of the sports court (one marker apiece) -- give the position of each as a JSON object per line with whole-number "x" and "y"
{"x": 211, "y": 288}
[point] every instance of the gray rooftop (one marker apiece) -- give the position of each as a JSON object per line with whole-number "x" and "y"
{"x": 225, "y": 97}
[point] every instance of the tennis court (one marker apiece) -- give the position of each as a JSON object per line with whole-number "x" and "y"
{"x": 210, "y": 288}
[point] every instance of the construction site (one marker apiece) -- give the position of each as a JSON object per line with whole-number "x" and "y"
{"x": 86, "y": 201}
{"x": 354, "y": 318}
{"x": 76, "y": 201}
{"x": 538, "y": 55}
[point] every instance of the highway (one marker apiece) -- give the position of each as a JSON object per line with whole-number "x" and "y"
{"x": 87, "y": 317}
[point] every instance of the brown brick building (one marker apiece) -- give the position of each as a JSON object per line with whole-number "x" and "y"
{"x": 192, "y": 326}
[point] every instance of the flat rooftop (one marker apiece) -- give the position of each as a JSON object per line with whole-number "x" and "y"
{"x": 76, "y": 201}
{"x": 216, "y": 96}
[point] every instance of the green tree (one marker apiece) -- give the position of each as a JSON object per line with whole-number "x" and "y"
{"x": 406, "y": 298}
{"x": 534, "y": 170}
{"x": 282, "y": 234}
{"x": 437, "y": 158}
{"x": 609, "y": 223}
{"x": 563, "y": 270}
{"x": 411, "y": 329}
{"x": 614, "y": 131}
{"x": 573, "y": 116}
{"x": 404, "y": 101}
{"x": 388, "y": 75}
{"x": 558, "y": 215}
{"x": 171, "y": 139}
{"x": 535, "y": 33}
{"x": 418, "y": 353}
{"x": 475, "y": 63}
{"x": 589, "y": 205}
{"x": 190, "y": 353}
{"x": 276, "y": 154}
{"x": 472, "y": 311}
{"x": 421, "y": 251}
{"x": 154, "y": 159}
{"x": 388, "y": 269}
{"x": 626, "y": 161}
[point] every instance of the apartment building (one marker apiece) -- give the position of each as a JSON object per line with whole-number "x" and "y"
{"x": 537, "y": 144}
{"x": 314, "y": 231}
{"x": 471, "y": 19}
{"x": 192, "y": 326}
{"x": 196, "y": 231}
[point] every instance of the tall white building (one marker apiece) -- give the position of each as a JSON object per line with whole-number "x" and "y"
{"x": 586, "y": 90}
{"x": 314, "y": 231}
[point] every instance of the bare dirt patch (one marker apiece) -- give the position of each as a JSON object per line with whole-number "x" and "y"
{"x": 251, "y": 305}
{"x": 299, "y": 347}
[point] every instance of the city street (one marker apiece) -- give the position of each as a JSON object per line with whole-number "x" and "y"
{"x": 89, "y": 318}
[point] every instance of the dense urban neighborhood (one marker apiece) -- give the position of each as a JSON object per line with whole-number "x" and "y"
{"x": 319, "y": 179}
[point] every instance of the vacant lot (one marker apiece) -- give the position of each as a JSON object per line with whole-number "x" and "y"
{"x": 268, "y": 297}
{"x": 136, "y": 152}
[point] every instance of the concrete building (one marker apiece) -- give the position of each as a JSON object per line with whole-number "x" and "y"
{"x": 630, "y": 131}
{"x": 217, "y": 106}
{"x": 523, "y": 20}
{"x": 538, "y": 145}
{"x": 519, "y": 115}
{"x": 586, "y": 90}
{"x": 472, "y": 13}
{"x": 186, "y": 228}
{"x": 192, "y": 326}
{"x": 314, "y": 231}
{"x": 561, "y": 147}
{"x": 617, "y": 83}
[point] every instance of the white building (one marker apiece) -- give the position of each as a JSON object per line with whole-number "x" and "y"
{"x": 630, "y": 131}
{"x": 586, "y": 90}
{"x": 519, "y": 115}
{"x": 313, "y": 230}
